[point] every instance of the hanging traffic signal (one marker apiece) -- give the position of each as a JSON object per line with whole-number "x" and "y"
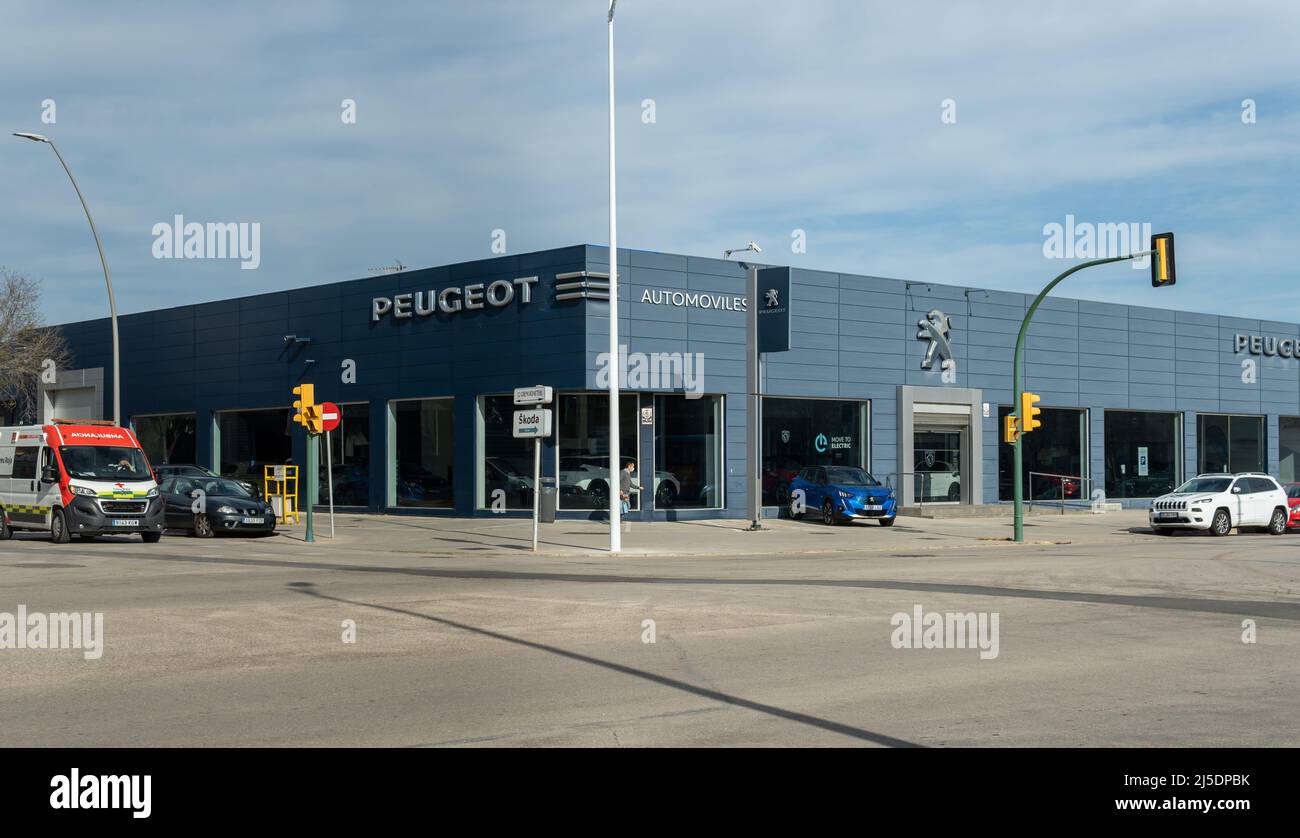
{"x": 1162, "y": 260}
{"x": 306, "y": 412}
{"x": 1010, "y": 429}
{"x": 1028, "y": 413}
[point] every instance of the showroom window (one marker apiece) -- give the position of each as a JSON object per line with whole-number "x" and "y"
{"x": 809, "y": 432}
{"x": 350, "y": 450}
{"x": 1054, "y": 464}
{"x": 583, "y": 448}
{"x": 249, "y": 440}
{"x": 1229, "y": 444}
{"x": 1288, "y": 448}
{"x": 167, "y": 440}
{"x": 424, "y": 442}
{"x": 505, "y": 464}
{"x": 688, "y": 453}
{"x": 1142, "y": 453}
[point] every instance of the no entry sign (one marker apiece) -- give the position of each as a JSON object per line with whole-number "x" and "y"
{"x": 330, "y": 416}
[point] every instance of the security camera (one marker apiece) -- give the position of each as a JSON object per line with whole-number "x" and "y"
{"x": 726, "y": 254}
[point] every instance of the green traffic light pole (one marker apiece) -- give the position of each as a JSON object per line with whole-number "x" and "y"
{"x": 1018, "y": 461}
{"x": 311, "y": 483}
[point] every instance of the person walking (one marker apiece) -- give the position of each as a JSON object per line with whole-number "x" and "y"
{"x": 625, "y": 486}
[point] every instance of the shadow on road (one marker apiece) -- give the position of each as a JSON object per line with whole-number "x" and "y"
{"x": 1280, "y": 610}
{"x": 725, "y": 698}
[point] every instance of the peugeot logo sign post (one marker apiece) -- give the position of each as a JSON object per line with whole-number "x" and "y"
{"x": 774, "y": 313}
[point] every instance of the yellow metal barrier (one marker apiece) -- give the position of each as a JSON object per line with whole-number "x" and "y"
{"x": 281, "y": 489}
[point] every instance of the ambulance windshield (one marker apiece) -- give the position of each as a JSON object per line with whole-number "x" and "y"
{"x": 105, "y": 462}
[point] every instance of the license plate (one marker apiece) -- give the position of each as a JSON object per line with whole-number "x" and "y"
{"x": 872, "y": 507}
{"x": 1163, "y": 515}
{"x": 126, "y": 522}
{"x": 254, "y": 520}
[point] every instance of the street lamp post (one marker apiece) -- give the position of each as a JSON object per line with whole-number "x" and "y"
{"x": 753, "y": 392}
{"x": 615, "y": 360}
{"x": 108, "y": 280}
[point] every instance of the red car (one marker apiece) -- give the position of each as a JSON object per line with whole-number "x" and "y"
{"x": 1293, "y": 500}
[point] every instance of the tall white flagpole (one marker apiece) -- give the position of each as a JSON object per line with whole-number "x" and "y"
{"x": 615, "y": 360}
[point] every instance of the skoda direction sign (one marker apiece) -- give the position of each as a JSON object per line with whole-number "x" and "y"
{"x": 534, "y": 423}
{"x": 533, "y": 395}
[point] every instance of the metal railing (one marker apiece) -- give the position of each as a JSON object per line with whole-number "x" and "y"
{"x": 1081, "y": 496}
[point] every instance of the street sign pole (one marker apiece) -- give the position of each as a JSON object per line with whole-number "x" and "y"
{"x": 535, "y": 423}
{"x": 331, "y": 416}
{"x": 329, "y": 470}
{"x": 537, "y": 486}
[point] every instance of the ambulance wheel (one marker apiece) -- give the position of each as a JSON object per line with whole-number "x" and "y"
{"x": 151, "y": 537}
{"x": 5, "y": 532}
{"x": 59, "y": 528}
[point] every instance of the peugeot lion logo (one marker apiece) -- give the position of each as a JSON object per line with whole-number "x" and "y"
{"x": 772, "y": 298}
{"x": 785, "y": 436}
{"x": 935, "y": 327}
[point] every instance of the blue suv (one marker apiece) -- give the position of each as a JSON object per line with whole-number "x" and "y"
{"x": 842, "y": 493}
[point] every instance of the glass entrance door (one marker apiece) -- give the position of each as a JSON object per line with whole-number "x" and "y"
{"x": 938, "y": 453}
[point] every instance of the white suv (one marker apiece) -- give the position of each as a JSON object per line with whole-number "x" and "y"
{"x": 1219, "y": 502}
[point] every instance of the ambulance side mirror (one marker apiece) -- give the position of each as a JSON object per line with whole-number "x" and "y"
{"x": 50, "y": 474}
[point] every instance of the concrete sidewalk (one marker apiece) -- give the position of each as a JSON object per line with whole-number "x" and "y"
{"x": 440, "y": 536}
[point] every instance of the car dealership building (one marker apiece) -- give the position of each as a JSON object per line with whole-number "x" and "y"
{"x": 907, "y": 379}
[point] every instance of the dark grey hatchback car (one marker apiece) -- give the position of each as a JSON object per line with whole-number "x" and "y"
{"x": 210, "y": 505}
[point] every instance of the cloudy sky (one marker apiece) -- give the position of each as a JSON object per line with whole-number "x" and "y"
{"x": 769, "y": 117}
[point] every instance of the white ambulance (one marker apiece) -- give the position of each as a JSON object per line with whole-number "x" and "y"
{"x": 77, "y": 478}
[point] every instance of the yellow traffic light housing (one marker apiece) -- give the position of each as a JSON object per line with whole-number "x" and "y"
{"x": 1162, "y": 260}
{"x": 312, "y": 419}
{"x": 1029, "y": 413}
{"x": 304, "y": 407}
{"x": 1010, "y": 429}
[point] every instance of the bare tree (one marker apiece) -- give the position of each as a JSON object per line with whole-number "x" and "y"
{"x": 27, "y": 349}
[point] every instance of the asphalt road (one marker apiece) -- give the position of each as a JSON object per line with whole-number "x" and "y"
{"x": 240, "y": 642}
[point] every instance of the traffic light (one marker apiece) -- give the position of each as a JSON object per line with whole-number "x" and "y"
{"x": 1028, "y": 413}
{"x": 1010, "y": 429}
{"x": 306, "y": 411}
{"x": 313, "y": 418}
{"x": 1162, "y": 260}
